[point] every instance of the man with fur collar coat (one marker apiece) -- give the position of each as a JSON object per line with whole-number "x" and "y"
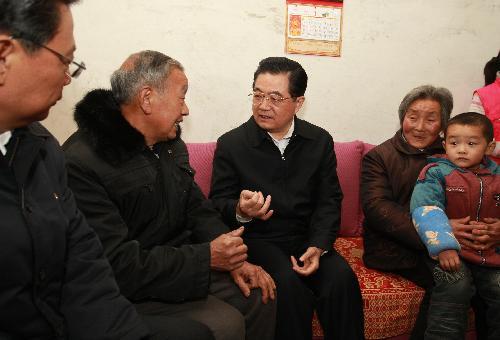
{"x": 170, "y": 251}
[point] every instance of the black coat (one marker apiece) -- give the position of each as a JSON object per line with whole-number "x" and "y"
{"x": 55, "y": 281}
{"x": 153, "y": 220}
{"x": 303, "y": 183}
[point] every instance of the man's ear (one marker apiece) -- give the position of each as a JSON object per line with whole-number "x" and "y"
{"x": 5, "y": 50}
{"x": 145, "y": 98}
{"x": 490, "y": 147}
{"x": 299, "y": 101}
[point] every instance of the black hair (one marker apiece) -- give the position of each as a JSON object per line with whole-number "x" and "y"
{"x": 34, "y": 22}
{"x": 297, "y": 76}
{"x": 490, "y": 70}
{"x": 473, "y": 119}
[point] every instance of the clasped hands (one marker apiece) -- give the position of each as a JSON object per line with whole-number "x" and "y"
{"x": 471, "y": 235}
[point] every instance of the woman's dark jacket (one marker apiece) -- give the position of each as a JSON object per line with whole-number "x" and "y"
{"x": 55, "y": 281}
{"x": 152, "y": 219}
{"x": 388, "y": 176}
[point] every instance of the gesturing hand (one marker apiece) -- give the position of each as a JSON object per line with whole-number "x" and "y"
{"x": 310, "y": 260}
{"x": 252, "y": 204}
{"x": 227, "y": 252}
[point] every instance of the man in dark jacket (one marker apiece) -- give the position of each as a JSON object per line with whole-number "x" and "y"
{"x": 56, "y": 282}
{"x": 170, "y": 251}
{"x": 277, "y": 174}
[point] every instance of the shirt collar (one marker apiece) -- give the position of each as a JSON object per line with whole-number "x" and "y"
{"x": 256, "y": 135}
{"x": 4, "y": 139}
{"x": 287, "y": 135}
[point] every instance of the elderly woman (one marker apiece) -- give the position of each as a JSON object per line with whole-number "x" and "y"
{"x": 389, "y": 173}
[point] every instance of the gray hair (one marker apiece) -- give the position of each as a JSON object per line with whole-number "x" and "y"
{"x": 439, "y": 94}
{"x": 143, "y": 68}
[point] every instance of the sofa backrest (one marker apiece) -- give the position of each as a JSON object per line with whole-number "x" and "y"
{"x": 349, "y": 156}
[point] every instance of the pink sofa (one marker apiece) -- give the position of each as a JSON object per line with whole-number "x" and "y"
{"x": 390, "y": 302}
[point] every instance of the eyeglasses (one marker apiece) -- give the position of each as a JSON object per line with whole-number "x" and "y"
{"x": 273, "y": 98}
{"x": 74, "y": 68}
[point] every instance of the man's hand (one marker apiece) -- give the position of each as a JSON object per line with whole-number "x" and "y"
{"x": 463, "y": 232}
{"x": 449, "y": 260}
{"x": 310, "y": 259}
{"x": 252, "y": 204}
{"x": 249, "y": 276}
{"x": 488, "y": 235}
{"x": 227, "y": 252}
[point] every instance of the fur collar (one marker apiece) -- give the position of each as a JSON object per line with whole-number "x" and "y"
{"x": 101, "y": 123}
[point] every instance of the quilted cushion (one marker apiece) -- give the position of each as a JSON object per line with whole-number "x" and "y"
{"x": 390, "y": 302}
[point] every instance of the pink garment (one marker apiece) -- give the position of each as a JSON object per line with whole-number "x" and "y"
{"x": 490, "y": 99}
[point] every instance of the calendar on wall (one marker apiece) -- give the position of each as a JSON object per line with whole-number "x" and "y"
{"x": 314, "y": 27}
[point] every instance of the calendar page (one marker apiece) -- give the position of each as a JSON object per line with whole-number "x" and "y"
{"x": 314, "y": 27}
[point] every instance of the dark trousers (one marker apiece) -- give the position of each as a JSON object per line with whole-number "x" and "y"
{"x": 333, "y": 291}
{"x": 176, "y": 328}
{"x": 451, "y": 299}
{"x": 422, "y": 276}
{"x": 225, "y": 314}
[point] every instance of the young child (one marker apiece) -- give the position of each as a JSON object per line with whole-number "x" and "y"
{"x": 463, "y": 183}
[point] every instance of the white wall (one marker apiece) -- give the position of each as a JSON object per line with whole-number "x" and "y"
{"x": 389, "y": 47}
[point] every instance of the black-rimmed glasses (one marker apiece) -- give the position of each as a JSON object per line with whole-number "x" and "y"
{"x": 74, "y": 68}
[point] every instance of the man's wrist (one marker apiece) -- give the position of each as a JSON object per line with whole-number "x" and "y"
{"x": 240, "y": 216}
{"x": 242, "y": 219}
{"x": 321, "y": 251}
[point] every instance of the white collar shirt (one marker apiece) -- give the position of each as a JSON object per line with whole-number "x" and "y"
{"x": 283, "y": 142}
{"x": 4, "y": 139}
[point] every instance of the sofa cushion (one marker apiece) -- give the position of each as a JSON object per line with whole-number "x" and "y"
{"x": 348, "y": 170}
{"x": 366, "y": 147}
{"x": 201, "y": 156}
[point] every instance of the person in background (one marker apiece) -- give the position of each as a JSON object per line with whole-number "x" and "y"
{"x": 277, "y": 175}
{"x": 462, "y": 183}
{"x": 172, "y": 255}
{"x": 56, "y": 282}
{"x": 486, "y": 100}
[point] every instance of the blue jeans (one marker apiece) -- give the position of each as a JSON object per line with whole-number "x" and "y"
{"x": 451, "y": 296}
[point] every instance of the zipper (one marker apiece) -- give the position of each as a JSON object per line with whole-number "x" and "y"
{"x": 14, "y": 152}
{"x": 283, "y": 156}
{"x": 480, "y": 197}
{"x": 481, "y": 188}
{"x": 23, "y": 206}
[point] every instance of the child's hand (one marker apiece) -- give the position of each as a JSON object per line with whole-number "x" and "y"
{"x": 449, "y": 260}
